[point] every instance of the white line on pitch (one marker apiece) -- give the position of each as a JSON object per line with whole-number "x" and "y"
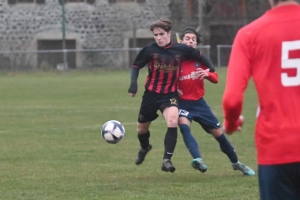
{"x": 70, "y": 127}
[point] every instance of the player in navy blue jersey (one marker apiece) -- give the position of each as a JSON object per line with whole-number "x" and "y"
{"x": 163, "y": 59}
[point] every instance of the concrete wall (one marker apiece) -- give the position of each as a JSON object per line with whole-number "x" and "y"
{"x": 97, "y": 26}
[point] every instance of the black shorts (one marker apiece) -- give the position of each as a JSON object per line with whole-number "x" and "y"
{"x": 152, "y": 102}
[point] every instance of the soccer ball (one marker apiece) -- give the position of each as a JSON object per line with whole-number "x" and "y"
{"x": 113, "y": 131}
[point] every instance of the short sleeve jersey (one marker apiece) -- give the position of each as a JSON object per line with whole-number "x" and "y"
{"x": 164, "y": 65}
{"x": 268, "y": 50}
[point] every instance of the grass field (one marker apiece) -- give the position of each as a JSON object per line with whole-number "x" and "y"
{"x": 50, "y": 146}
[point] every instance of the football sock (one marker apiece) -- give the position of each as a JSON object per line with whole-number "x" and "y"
{"x": 190, "y": 142}
{"x": 170, "y": 142}
{"x": 227, "y": 148}
{"x": 144, "y": 140}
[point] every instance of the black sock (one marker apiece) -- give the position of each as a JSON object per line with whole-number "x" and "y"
{"x": 170, "y": 142}
{"x": 144, "y": 140}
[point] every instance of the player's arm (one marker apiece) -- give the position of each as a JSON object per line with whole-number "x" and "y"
{"x": 238, "y": 74}
{"x": 133, "y": 81}
{"x": 205, "y": 61}
{"x": 237, "y": 126}
{"x": 204, "y": 73}
{"x": 195, "y": 54}
{"x": 140, "y": 61}
{"x": 212, "y": 77}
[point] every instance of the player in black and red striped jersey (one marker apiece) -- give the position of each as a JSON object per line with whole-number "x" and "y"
{"x": 163, "y": 59}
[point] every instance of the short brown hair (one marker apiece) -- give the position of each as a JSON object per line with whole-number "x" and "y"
{"x": 165, "y": 24}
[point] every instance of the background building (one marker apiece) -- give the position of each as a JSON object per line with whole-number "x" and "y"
{"x": 101, "y": 33}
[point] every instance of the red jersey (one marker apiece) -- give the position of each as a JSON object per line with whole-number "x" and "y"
{"x": 190, "y": 86}
{"x": 268, "y": 50}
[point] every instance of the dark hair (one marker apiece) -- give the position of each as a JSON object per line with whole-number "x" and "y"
{"x": 193, "y": 31}
{"x": 165, "y": 24}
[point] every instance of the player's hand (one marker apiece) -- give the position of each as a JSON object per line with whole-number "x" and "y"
{"x": 237, "y": 127}
{"x": 132, "y": 94}
{"x": 133, "y": 89}
{"x": 202, "y": 73}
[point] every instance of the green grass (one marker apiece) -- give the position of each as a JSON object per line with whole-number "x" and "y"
{"x": 50, "y": 146}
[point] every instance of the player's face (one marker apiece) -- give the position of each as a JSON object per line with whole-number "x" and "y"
{"x": 162, "y": 38}
{"x": 190, "y": 39}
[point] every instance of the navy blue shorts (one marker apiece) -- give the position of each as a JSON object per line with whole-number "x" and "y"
{"x": 199, "y": 112}
{"x": 152, "y": 102}
{"x": 279, "y": 182}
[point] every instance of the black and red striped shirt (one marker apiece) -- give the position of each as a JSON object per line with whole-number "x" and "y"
{"x": 164, "y": 65}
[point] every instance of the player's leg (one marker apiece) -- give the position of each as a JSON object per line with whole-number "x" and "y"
{"x": 171, "y": 117}
{"x": 169, "y": 109}
{"x": 190, "y": 142}
{"x": 143, "y": 136}
{"x": 147, "y": 114}
{"x": 279, "y": 182}
{"x": 224, "y": 143}
{"x": 228, "y": 149}
{"x": 211, "y": 125}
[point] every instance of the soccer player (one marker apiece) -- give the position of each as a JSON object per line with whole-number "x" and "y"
{"x": 268, "y": 50}
{"x": 163, "y": 58}
{"x": 193, "y": 107}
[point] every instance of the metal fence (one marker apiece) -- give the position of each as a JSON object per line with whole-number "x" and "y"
{"x": 111, "y": 59}
{"x": 116, "y": 58}
{"x": 223, "y": 53}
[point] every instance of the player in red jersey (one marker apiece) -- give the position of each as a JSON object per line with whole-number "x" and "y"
{"x": 268, "y": 50}
{"x": 193, "y": 107}
{"x": 163, "y": 58}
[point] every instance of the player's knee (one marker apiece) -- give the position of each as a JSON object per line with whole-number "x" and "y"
{"x": 142, "y": 128}
{"x": 172, "y": 121}
{"x": 142, "y": 131}
{"x": 216, "y": 132}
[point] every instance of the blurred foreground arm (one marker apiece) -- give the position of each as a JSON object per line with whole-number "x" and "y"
{"x": 238, "y": 75}
{"x": 237, "y": 126}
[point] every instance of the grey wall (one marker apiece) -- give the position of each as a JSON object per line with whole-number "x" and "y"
{"x": 102, "y": 25}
